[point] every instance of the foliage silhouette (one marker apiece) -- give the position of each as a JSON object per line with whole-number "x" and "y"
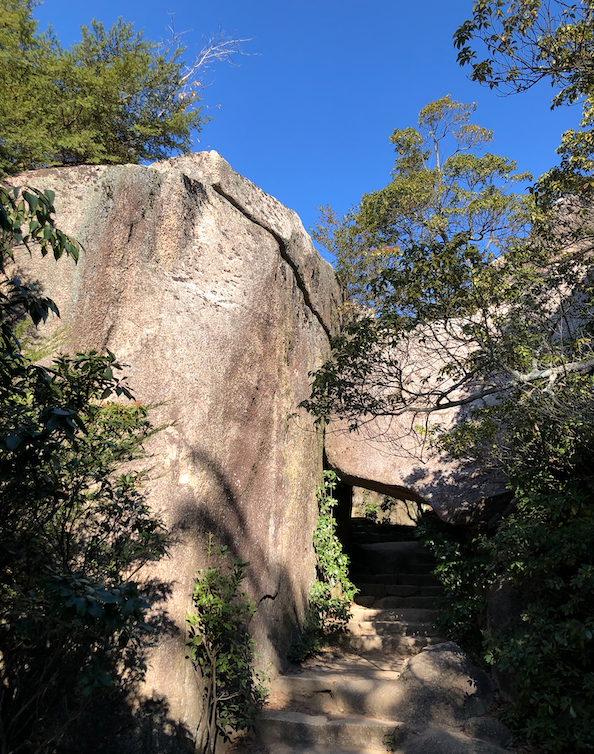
{"x": 222, "y": 651}
{"x": 74, "y": 528}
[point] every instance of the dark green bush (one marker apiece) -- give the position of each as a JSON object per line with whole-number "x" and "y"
{"x": 465, "y": 570}
{"x": 331, "y": 594}
{"x": 222, "y": 650}
{"x": 74, "y": 526}
{"x": 545, "y": 551}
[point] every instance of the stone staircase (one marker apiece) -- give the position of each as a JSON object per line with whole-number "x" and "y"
{"x": 363, "y": 695}
{"x": 394, "y": 611}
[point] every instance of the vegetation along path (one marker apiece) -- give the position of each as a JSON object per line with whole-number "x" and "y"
{"x": 391, "y": 684}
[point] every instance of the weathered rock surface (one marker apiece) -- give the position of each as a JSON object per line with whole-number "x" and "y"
{"x": 391, "y": 458}
{"x": 394, "y": 455}
{"x": 212, "y": 293}
{"x": 488, "y": 729}
{"x": 441, "y": 687}
{"x": 434, "y": 741}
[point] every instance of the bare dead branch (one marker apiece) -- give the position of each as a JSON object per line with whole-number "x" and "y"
{"x": 218, "y": 47}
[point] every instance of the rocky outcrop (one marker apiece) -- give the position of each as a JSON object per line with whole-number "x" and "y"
{"x": 395, "y": 453}
{"x": 441, "y": 687}
{"x": 212, "y": 293}
{"x": 393, "y": 457}
{"x": 214, "y": 296}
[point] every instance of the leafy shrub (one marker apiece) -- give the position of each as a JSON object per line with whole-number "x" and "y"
{"x": 370, "y": 507}
{"x": 73, "y": 533}
{"x": 546, "y": 549}
{"x": 74, "y": 528}
{"x": 222, "y": 651}
{"x": 465, "y": 571}
{"x": 331, "y": 594}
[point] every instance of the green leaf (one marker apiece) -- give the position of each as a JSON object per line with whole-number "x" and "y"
{"x": 12, "y": 441}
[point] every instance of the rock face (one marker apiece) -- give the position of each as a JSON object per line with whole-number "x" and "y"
{"x": 213, "y": 294}
{"x": 394, "y": 455}
{"x": 441, "y": 687}
{"x": 390, "y": 457}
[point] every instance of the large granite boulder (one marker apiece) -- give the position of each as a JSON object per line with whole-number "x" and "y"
{"x": 392, "y": 456}
{"x": 441, "y": 687}
{"x": 395, "y": 454}
{"x": 213, "y": 294}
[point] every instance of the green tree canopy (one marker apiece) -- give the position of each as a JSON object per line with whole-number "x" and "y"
{"x": 455, "y": 298}
{"x": 511, "y": 45}
{"x": 526, "y": 41}
{"x": 469, "y": 298}
{"x": 113, "y": 97}
{"x": 445, "y": 189}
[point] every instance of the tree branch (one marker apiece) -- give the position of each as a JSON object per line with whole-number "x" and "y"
{"x": 584, "y": 367}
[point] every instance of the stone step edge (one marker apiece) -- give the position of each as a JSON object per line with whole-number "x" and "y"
{"x": 404, "y": 630}
{"x": 276, "y": 726}
{"x": 278, "y": 748}
{"x": 405, "y": 638}
{"x": 410, "y": 614}
{"x": 291, "y": 716}
{"x": 328, "y": 681}
{"x": 420, "y": 625}
{"x": 414, "y": 620}
{"x": 395, "y": 646}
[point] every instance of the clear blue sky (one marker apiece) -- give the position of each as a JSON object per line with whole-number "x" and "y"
{"x": 309, "y": 116}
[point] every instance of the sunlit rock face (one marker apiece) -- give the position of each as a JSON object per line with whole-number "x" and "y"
{"x": 397, "y": 455}
{"x": 213, "y": 295}
{"x": 393, "y": 458}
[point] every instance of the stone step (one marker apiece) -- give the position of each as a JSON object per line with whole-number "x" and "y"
{"x": 360, "y": 534}
{"x": 422, "y": 556}
{"x": 394, "y": 644}
{"x": 386, "y": 557}
{"x": 405, "y": 603}
{"x": 386, "y": 599}
{"x": 397, "y": 590}
{"x": 333, "y": 661}
{"x": 382, "y": 565}
{"x": 390, "y": 628}
{"x": 371, "y": 590}
{"x": 408, "y": 548}
{"x": 282, "y": 726}
{"x": 431, "y": 591}
{"x": 408, "y": 583}
{"x": 409, "y": 615}
{"x": 425, "y": 567}
{"x": 421, "y": 602}
{"x": 287, "y": 748}
{"x": 364, "y": 601}
{"x": 391, "y": 532}
{"x": 387, "y": 589}
{"x": 410, "y": 579}
{"x": 369, "y": 694}
{"x": 401, "y": 578}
